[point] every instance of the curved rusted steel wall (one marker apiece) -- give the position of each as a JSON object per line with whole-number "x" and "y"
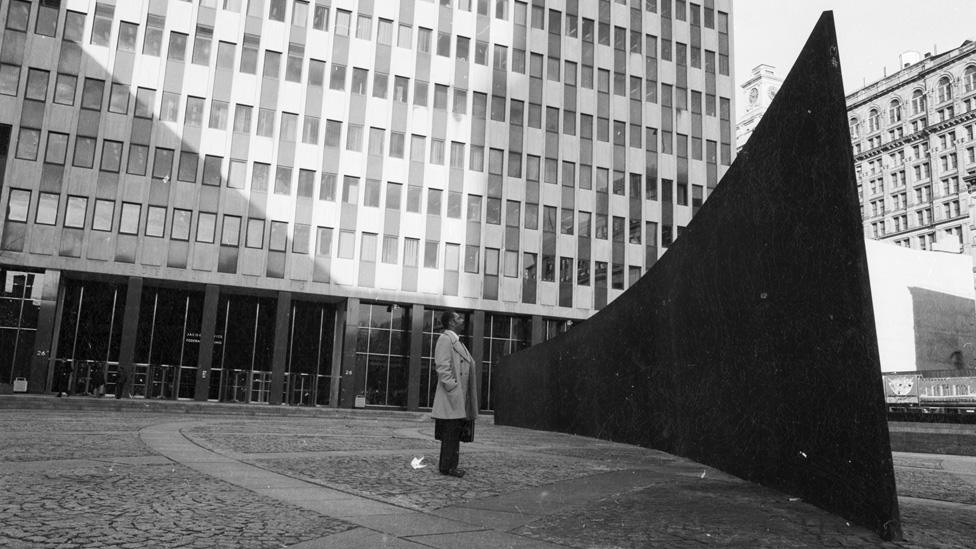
{"x": 750, "y": 346}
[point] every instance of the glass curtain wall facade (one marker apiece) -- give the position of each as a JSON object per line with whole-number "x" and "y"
{"x": 309, "y": 182}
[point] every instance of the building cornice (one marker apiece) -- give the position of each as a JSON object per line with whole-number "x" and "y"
{"x": 908, "y": 75}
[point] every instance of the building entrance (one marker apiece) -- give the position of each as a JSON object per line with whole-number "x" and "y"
{"x": 243, "y": 349}
{"x": 167, "y": 346}
{"x": 90, "y": 335}
{"x": 19, "y": 306}
{"x": 308, "y": 373}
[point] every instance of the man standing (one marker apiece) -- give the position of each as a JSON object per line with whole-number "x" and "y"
{"x": 456, "y": 399}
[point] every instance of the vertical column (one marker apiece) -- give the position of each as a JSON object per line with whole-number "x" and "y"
{"x": 416, "y": 347}
{"x": 130, "y": 326}
{"x": 337, "y": 335}
{"x": 45, "y": 338}
{"x": 352, "y": 378}
{"x": 477, "y": 331}
{"x": 208, "y": 326}
{"x": 278, "y": 360}
{"x": 538, "y": 330}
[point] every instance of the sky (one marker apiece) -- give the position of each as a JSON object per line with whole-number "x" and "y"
{"x": 870, "y": 34}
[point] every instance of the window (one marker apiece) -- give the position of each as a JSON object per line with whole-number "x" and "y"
{"x": 10, "y": 82}
{"x": 323, "y": 241}
{"x": 152, "y": 42}
{"x": 230, "y": 232}
{"x": 347, "y": 244}
{"x": 111, "y": 156}
{"x": 255, "y": 233}
{"x": 180, "y": 226}
{"x": 193, "y": 117}
{"x": 18, "y": 204}
{"x": 337, "y": 78}
{"x": 91, "y": 94}
{"x": 364, "y": 27}
{"x": 969, "y": 79}
{"x": 354, "y": 138}
{"x": 84, "y": 152}
{"x": 272, "y": 64}
{"x": 177, "y": 46}
{"x": 156, "y": 221}
{"x": 57, "y": 148}
{"x": 266, "y": 122}
{"x": 206, "y": 227}
{"x": 249, "y": 54}
{"x": 277, "y": 10}
{"x": 102, "y": 26}
{"x": 201, "y": 45}
{"x": 944, "y": 89}
{"x": 103, "y": 215}
{"x": 293, "y": 66}
{"x": 138, "y": 158}
{"x": 162, "y": 163}
{"x": 894, "y": 112}
{"x": 918, "y": 102}
{"x": 37, "y": 80}
{"x": 75, "y": 212}
{"x": 47, "y": 207}
{"x": 299, "y": 14}
{"x": 188, "y": 166}
{"x": 278, "y": 240}
{"x": 119, "y": 98}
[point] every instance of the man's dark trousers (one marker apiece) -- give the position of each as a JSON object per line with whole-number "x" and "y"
{"x": 450, "y": 435}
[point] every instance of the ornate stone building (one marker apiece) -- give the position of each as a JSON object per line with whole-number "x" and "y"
{"x": 914, "y": 143}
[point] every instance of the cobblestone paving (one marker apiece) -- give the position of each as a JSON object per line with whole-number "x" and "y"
{"x": 80, "y": 422}
{"x": 76, "y": 445}
{"x": 146, "y": 506}
{"x": 101, "y": 503}
{"x": 268, "y": 443}
{"x": 392, "y": 479}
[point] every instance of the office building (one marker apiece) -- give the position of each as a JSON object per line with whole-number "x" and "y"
{"x": 271, "y": 201}
{"x": 913, "y": 139}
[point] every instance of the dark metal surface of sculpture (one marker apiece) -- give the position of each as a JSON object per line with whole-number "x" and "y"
{"x": 751, "y": 345}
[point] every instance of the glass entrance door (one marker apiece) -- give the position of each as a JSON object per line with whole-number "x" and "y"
{"x": 308, "y": 376}
{"x": 243, "y": 348}
{"x": 168, "y": 343}
{"x": 20, "y": 302}
{"x": 90, "y": 338}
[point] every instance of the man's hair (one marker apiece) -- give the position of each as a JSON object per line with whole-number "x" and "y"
{"x": 446, "y": 318}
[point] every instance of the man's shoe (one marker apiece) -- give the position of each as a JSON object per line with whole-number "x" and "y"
{"x": 455, "y": 473}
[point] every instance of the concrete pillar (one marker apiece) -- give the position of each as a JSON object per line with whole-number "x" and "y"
{"x": 538, "y": 330}
{"x": 208, "y": 324}
{"x": 353, "y": 378}
{"x": 281, "y": 340}
{"x": 130, "y": 328}
{"x": 45, "y": 340}
{"x": 477, "y": 350}
{"x": 337, "y": 337}
{"x": 416, "y": 348}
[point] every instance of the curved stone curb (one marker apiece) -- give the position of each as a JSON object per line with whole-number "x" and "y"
{"x": 380, "y": 524}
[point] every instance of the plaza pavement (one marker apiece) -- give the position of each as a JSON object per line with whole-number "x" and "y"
{"x": 84, "y": 472}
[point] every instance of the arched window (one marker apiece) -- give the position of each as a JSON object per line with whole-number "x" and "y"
{"x": 894, "y": 112}
{"x": 945, "y": 89}
{"x": 874, "y": 121}
{"x": 855, "y": 128}
{"x": 918, "y": 102}
{"x": 969, "y": 78}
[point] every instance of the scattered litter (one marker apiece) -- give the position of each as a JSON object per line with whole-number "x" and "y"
{"x": 803, "y": 454}
{"x": 794, "y": 499}
{"x": 703, "y": 474}
{"x": 847, "y": 523}
{"x": 418, "y": 463}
